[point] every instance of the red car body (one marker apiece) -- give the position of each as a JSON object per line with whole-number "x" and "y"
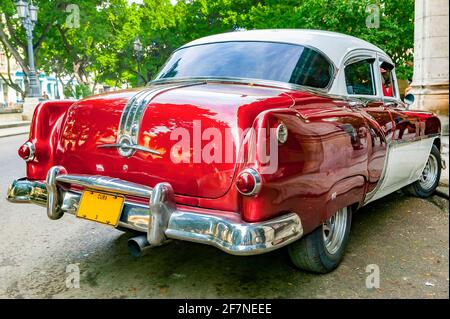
{"x": 335, "y": 155}
{"x": 319, "y": 159}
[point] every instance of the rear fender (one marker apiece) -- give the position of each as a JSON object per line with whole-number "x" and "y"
{"x": 321, "y": 168}
{"x": 44, "y": 132}
{"x": 346, "y": 192}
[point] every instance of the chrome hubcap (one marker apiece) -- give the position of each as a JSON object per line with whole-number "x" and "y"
{"x": 333, "y": 230}
{"x": 429, "y": 173}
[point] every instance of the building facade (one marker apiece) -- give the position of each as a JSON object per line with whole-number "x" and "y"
{"x": 9, "y": 97}
{"x": 431, "y": 58}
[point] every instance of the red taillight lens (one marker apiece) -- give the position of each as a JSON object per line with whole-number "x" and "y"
{"x": 248, "y": 182}
{"x": 245, "y": 183}
{"x": 26, "y": 151}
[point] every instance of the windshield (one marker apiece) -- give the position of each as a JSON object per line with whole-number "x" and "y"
{"x": 251, "y": 60}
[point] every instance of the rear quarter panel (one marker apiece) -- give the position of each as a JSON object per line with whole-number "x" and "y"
{"x": 322, "y": 167}
{"x": 44, "y": 132}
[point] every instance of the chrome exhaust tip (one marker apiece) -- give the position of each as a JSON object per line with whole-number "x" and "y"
{"x": 138, "y": 246}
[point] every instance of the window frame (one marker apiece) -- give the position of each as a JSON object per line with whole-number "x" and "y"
{"x": 359, "y": 59}
{"x": 396, "y": 98}
{"x": 340, "y": 86}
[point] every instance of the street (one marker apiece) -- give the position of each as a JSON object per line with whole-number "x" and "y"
{"x": 406, "y": 237}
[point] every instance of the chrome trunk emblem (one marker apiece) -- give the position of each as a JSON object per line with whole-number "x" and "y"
{"x": 130, "y": 122}
{"x": 127, "y": 149}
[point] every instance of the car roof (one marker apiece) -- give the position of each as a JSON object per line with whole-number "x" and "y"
{"x": 334, "y": 45}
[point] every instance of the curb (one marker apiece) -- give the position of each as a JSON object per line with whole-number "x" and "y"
{"x": 13, "y": 131}
{"x": 442, "y": 191}
{"x": 442, "y": 195}
{"x": 13, "y": 134}
{"x": 14, "y": 124}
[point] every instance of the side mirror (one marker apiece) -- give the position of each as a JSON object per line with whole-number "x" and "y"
{"x": 409, "y": 99}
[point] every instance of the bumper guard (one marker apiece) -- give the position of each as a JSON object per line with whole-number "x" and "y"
{"x": 160, "y": 219}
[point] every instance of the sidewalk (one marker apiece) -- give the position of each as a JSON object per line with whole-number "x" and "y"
{"x": 14, "y": 128}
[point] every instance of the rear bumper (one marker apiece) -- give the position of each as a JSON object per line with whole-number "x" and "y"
{"x": 161, "y": 219}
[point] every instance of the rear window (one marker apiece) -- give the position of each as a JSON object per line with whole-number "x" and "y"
{"x": 253, "y": 60}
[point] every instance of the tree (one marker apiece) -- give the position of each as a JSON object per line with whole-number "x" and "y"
{"x": 167, "y": 27}
{"x": 394, "y": 34}
{"x": 100, "y": 48}
{"x": 8, "y": 79}
{"x": 86, "y": 48}
{"x": 72, "y": 37}
{"x": 12, "y": 34}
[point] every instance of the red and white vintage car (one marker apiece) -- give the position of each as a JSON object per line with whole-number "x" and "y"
{"x": 248, "y": 141}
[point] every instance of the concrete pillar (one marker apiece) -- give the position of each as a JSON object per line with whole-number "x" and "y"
{"x": 431, "y": 55}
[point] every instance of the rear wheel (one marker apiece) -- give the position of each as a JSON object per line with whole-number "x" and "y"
{"x": 429, "y": 180}
{"x": 322, "y": 250}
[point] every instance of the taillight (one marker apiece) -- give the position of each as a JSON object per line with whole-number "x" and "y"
{"x": 27, "y": 151}
{"x": 248, "y": 182}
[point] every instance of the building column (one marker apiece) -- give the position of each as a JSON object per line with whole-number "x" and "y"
{"x": 431, "y": 55}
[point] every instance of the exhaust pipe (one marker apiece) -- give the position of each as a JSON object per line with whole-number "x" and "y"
{"x": 138, "y": 246}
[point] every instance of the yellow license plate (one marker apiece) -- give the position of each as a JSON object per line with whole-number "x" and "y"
{"x": 101, "y": 207}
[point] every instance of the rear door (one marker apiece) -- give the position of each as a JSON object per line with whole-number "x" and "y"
{"x": 406, "y": 152}
{"x": 364, "y": 95}
{"x": 406, "y": 127}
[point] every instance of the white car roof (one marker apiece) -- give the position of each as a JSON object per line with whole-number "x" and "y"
{"x": 334, "y": 45}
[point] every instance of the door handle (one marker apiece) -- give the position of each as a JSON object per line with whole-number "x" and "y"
{"x": 390, "y": 104}
{"x": 357, "y": 104}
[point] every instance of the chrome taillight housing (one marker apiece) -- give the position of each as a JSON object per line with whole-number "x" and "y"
{"x": 27, "y": 151}
{"x": 282, "y": 133}
{"x": 248, "y": 182}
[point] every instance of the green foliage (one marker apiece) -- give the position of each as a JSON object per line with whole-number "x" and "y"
{"x": 77, "y": 92}
{"x": 101, "y": 49}
{"x": 191, "y": 19}
{"x": 395, "y": 33}
{"x": 82, "y": 91}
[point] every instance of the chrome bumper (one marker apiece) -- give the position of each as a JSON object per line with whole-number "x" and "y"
{"x": 160, "y": 219}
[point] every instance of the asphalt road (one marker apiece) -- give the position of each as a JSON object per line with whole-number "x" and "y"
{"x": 407, "y": 238}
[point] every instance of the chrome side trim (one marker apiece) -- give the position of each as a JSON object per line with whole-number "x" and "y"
{"x": 248, "y": 81}
{"x": 161, "y": 219}
{"x": 405, "y": 161}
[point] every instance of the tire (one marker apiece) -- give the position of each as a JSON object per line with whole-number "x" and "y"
{"x": 429, "y": 180}
{"x": 316, "y": 252}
